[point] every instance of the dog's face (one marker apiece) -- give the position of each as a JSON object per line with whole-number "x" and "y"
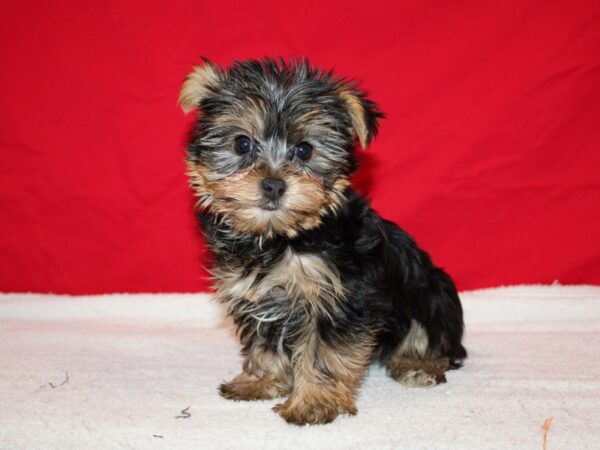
{"x": 274, "y": 143}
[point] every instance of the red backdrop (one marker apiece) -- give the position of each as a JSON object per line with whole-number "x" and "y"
{"x": 489, "y": 155}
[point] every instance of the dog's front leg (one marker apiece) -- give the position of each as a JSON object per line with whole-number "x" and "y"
{"x": 326, "y": 378}
{"x": 267, "y": 374}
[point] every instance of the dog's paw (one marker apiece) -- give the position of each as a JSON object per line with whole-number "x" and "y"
{"x": 248, "y": 387}
{"x": 418, "y": 373}
{"x": 421, "y": 378}
{"x": 299, "y": 411}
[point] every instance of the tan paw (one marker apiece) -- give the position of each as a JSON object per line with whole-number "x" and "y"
{"x": 298, "y": 411}
{"x": 418, "y": 372}
{"x": 421, "y": 378}
{"x": 248, "y": 387}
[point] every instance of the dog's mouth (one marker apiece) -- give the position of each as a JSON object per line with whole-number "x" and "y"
{"x": 247, "y": 209}
{"x": 269, "y": 206}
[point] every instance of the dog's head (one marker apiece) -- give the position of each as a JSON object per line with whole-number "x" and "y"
{"x": 274, "y": 142}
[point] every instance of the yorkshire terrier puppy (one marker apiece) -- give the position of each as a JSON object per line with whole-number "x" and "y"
{"x": 317, "y": 283}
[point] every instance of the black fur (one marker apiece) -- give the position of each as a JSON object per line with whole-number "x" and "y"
{"x": 388, "y": 281}
{"x": 390, "y": 286}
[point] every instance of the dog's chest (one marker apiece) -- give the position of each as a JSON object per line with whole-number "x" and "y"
{"x": 304, "y": 277}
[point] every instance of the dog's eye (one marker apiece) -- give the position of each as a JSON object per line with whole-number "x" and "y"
{"x": 304, "y": 151}
{"x": 243, "y": 144}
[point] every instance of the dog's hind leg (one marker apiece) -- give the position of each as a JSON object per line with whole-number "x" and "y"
{"x": 414, "y": 364}
{"x": 427, "y": 320}
{"x": 433, "y": 342}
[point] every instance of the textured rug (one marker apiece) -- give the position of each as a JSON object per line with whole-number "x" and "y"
{"x": 141, "y": 371}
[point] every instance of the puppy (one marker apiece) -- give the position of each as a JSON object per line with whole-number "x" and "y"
{"x": 317, "y": 283}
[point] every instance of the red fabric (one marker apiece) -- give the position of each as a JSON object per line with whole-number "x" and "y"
{"x": 490, "y": 154}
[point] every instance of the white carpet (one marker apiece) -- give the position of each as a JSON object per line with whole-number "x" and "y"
{"x": 135, "y": 362}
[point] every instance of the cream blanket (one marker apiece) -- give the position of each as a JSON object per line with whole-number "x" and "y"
{"x": 143, "y": 372}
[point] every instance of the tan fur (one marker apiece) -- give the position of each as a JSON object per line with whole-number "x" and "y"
{"x": 316, "y": 404}
{"x": 414, "y": 363}
{"x": 416, "y": 343}
{"x": 237, "y": 198}
{"x": 304, "y": 277}
{"x": 266, "y": 374}
{"x": 417, "y": 378}
{"x": 233, "y": 283}
{"x": 313, "y": 123}
{"x": 326, "y": 380}
{"x": 197, "y": 86}
{"x": 418, "y": 372}
{"x": 357, "y": 113}
{"x": 247, "y": 118}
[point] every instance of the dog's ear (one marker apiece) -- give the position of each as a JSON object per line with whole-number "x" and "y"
{"x": 364, "y": 113}
{"x": 198, "y": 85}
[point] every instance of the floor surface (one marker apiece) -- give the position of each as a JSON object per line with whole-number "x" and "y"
{"x": 119, "y": 371}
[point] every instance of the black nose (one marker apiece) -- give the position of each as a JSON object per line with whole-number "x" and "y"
{"x": 273, "y": 188}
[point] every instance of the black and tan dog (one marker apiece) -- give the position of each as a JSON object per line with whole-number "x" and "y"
{"x": 318, "y": 284}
